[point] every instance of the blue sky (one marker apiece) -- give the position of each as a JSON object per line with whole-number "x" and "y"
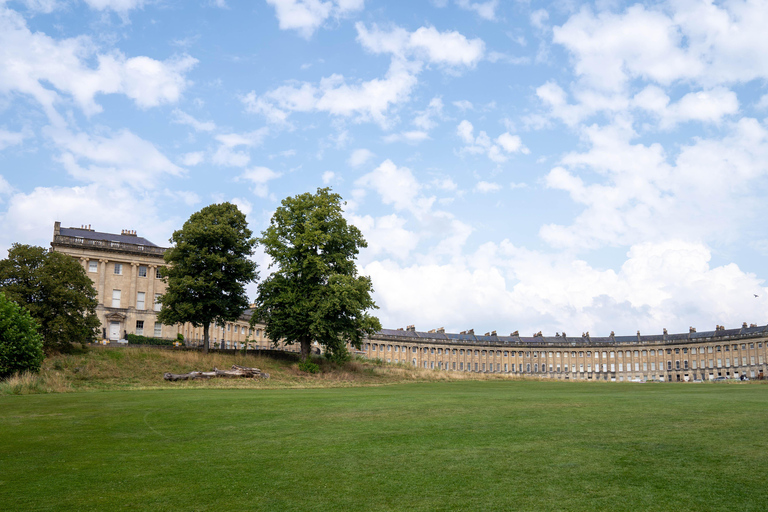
{"x": 554, "y": 166}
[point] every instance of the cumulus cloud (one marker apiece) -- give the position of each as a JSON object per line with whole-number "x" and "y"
{"x": 42, "y": 67}
{"x": 121, "y": 159}
{"x": 498, "y": 150}
{"x": 669, "y": 284}
{"x": 644, "y": 197}
{"x": 448, "y": 48}
{"x": 30, "y": 215}
{"x": 360, "y": 157}
{"x": 397, "y": 186}
{"x": 683, "y": 40}
{"x": 486, "y": 10}
{"x": 199, "y": 126}
{"x": 233, "y": 149}
{"x": 487, "y": 186}
{"x": 259, "y": 178}
{"x": 192, "y": 158}
{"x": 425, "y": 119}
{"x": 10, "y": 138}
{"x": 411, "y": 137}
{"x": 386, "y": 235}
{"x": 5, "y": 187}
{"x": 368, "y": 100}
{"x": 703, "y": 106}
{"x": 306, "y": 16}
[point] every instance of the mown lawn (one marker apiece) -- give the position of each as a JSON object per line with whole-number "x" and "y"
{"x": 488, "y": 445}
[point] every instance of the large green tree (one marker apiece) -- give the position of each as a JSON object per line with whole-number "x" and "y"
{"x": 314, "y": 292}
{"x": 21, "y": 346}
{"x": 208, "y": 269}
{"x": 57, "y": 292}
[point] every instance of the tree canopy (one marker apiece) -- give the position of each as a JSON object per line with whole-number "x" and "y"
{"x": 208, "y": 269}
{"x": 57, "y": 292}
{"x": 21, "y": 346}
{"x": 314, "y": 292}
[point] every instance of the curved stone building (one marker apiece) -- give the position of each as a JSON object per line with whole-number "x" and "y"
{"x": 722, "y": 353}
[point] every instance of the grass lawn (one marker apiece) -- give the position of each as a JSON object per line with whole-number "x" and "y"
{"x": 485, "y": 445}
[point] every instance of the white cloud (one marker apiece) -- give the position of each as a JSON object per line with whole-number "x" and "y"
{"x": 259, "y": 177}
{"x": 539, "y": 18}
{"x": 192, "y": 158}
{"x": 199, "y": 126}
{"x": 360, "y": 157}
{"x": 444, "y": 184}
{"x": 42, "y": 6}
{"x": 463, "y": 105}
{"x": 115, "y": 5}
{"x": 328, "y": 177}
{"x": 386, "y": 235}
{"x": 122, "y": 159}
{"x": 42, "y": 67}
{"x": 411, "y": 137}
{"x": 763, "y": 102}
{"x": 497, "y": 150}
{"x": 681, "y": 40}
{"x": 30, "y": 215}
{"x": 305, "y": 16}
{"x": 10, "y": 138}
{"x": 369, "y": 100}
{"x": 704, "y": 106}
{"x": 487, "y": 186}
{"x": 486, "y": 10}
{"x": 644, "y": 197}
{"x": 424, "y": 119}
{"x": 448, "y": 48}
{"x": 227, "y": 155}
{"x": 396, "y": 186}
{"x": 668, "y": 284}
{"x": 5, "y": 187}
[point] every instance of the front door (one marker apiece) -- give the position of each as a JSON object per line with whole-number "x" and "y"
{"x": 114, "y": 331}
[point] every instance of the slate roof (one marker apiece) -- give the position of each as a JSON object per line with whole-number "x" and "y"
{"x": 107, "y": 237}
{"x": 744, "y": 332}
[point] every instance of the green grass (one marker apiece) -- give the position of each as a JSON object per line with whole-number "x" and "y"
{"x": 486, "y": 445}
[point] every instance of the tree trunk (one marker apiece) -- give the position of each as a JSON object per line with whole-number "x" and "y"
{"x": 205, "y": 338}
{"x": 306, "y": 346}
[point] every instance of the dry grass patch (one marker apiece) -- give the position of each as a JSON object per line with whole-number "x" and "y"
{"x": 112, "y": 368}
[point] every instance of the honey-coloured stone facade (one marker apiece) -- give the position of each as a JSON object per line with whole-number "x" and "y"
{"x": 124, "y": 271}
{"x": 734, "y": 353}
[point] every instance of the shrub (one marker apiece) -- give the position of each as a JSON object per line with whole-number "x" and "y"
{"x": 21, "y": 345}
{"x": 338, "y": 355}
{"x": 135, "y": 339}
{"x": 309, "y": 367}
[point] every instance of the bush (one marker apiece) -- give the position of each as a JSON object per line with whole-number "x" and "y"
{"x": 21, "y": 345}
{"x": 309, "y": 367}
{"x": 135, "y": 339}
{"x": 338, "y": 355}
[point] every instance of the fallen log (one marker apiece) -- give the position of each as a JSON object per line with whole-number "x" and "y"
{"x": 235, "y": 372}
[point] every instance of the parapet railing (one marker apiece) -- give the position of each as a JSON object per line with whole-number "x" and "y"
{"x": 569, "y": 342}
{"x": 76, "y": 241}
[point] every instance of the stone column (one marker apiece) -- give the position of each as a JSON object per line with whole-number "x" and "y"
{"x": 84, "y": 263}
{"x": 151, "y": 285}
{"x": 132, "y": 298}
{"x": 102, "y": 278}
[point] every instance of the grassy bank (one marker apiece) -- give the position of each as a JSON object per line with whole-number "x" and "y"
{"x": 503, "y": 445}
{"x": 115, "y": 368}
